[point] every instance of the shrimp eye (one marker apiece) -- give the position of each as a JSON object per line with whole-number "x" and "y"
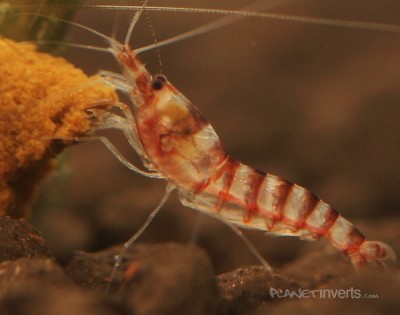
{"x": 158, "y": 82}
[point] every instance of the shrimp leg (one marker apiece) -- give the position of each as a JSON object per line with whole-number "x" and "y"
{"x": 116, "y": 80}
{"x": 138, "y": 233}
{"x": 245, "y": 240}
{"x": 126, "y": 124}
{"x": 115, "y": 152}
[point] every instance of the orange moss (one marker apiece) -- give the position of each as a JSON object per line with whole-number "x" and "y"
{"x": 41, "y": 97}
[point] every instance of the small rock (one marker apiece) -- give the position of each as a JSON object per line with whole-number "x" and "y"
{"x": 20, "y": 239}
{"x": 246, "y": 288}
{"x": 92, "y": 270}
{"x": 29, "y": 274}
{"x": 171, "y": 279}
{"x": 32, "y": 286}
{"x": 152, "y": 279}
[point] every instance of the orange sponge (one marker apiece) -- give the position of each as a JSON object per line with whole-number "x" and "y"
{"x": 41, "y": 96}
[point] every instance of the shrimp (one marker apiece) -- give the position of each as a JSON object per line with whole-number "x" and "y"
{"x": 178, "y": 144}
{"x": 183, "y": 147}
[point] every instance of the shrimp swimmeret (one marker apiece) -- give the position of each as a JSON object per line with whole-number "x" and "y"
{"x": 178, "y": 144}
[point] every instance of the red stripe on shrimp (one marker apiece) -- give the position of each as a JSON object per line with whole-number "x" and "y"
{"x": 344, "y": 236}
{"x": 256, "y": 179}
{"x": 272, "y": 199}
{"x": 299, "y": 204}
{"x": 227, "y": 173}
{"x": 321, "y": 219}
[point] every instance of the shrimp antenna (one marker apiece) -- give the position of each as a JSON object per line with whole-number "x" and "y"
{"x": 275, "y": 16}
{"x": 107, "y": 38}
{"x": 290, "y": 18}
{"x": 134, "y": 20}
{"x": 75, "y": 45}
{"x": 155, "y": 41}
{"x": 221, "y": 22}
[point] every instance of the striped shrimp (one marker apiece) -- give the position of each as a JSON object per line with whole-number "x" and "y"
{"x": 178, "y": 144}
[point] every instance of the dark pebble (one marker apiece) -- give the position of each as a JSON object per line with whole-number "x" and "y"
{"x": 40, "y": 287}
{"x": 246, "y": 288}
{"x": 163, "y": 279}
{"x": 26, "y": 274}
{"x": 20, "y": 239}
{"x": 92, "y": 270}
{"x": 171, "y": 279}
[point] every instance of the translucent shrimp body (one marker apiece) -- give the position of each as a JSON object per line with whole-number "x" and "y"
{"x": 183, "y": 148}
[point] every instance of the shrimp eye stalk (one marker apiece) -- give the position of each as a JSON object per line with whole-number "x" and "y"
{"x": 158, "y": 82}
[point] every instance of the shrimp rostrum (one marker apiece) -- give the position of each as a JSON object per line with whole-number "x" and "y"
{"x": 178, "y": 144}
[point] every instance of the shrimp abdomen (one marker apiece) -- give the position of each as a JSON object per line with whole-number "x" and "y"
{"x": 253, "y": 199}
